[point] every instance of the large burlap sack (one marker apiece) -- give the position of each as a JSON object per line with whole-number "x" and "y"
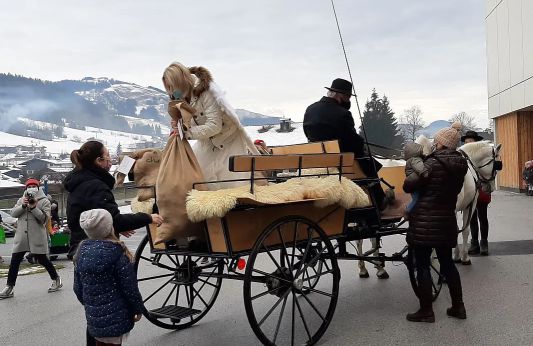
{"x": 178, "y": 170}
{"x": 145, "y": 172}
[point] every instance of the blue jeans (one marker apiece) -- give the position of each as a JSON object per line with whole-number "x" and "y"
{"x": 414, "y": 199}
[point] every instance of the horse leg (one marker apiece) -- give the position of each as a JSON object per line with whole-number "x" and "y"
{"x": 456, "y": 251}
{"x": 466, "y": 232}
{"x": 380, "y": 266}
{"x": 363, "y": 273}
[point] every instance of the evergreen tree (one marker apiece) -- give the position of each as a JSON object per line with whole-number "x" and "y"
{"x": 380, "y": 123}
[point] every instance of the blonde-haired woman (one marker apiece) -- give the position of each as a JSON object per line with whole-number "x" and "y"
{"x": 215, "y": 125}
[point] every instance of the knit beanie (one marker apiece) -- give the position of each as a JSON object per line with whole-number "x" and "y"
{"x": 449, "y": 136}
{"x": 97, "y": 223}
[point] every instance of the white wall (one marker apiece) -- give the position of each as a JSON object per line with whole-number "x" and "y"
{"x": 509, "y": 26}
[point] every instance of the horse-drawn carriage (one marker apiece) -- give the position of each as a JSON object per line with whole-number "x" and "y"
{"x": 286, "y": 253}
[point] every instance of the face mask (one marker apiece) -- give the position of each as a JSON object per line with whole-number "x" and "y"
{"x": 32, "y": 190}
{"x": 176, "y": 95}
{"x": 346, "y": 104}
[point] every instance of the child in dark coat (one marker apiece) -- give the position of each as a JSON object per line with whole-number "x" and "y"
{"x": 105, "y": 281}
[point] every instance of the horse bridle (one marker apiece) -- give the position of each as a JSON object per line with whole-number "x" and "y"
{"x": 497, "y": 166}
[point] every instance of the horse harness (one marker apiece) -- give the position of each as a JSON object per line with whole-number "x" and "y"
{"x": 478, "y": 179}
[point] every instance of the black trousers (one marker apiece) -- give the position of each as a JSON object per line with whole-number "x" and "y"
{"x": 16, "y": 259}
{"x": 447, "y": 268}
{"x": 91, "y": 341}
{"x": 480, "y": 214}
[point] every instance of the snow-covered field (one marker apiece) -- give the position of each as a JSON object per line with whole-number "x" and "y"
{"x": 75, "y": 138}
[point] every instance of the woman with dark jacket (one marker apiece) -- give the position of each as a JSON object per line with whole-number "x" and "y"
{"x": 432, "y": 222}
{"x": 90, "y": 187}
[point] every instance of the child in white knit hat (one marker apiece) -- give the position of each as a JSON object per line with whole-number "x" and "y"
{"x": 105, "y": 281}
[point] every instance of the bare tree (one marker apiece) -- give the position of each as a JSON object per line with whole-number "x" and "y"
{"x": 411, "y": 122}
{"x": 468, "y": 121}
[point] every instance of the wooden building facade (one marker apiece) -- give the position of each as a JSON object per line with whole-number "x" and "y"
{"x": 515, "y": 132}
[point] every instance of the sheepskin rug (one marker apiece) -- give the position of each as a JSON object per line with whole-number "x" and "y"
{"x": 202, "y": 205}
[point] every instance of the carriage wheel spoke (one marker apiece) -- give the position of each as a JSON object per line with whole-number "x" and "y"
{"x": 264, "y": 293}
{"x": 312, "y": 260}
{"x": 272, "y": 276}
{"x": 302, "y": 315}
{"x": 294, "y": 243}
{"x": 293, "y": 308}
{"x": 284, "y": 252}
{"x": 177, "y": 295}
{"x": 314, "y": 307}
{"x": 317, "y": 291}
{"x": 309, "y": 241}
{"x": 155, "y": 277}
{"x": 169, "y": 295}
{"x": 146, "y": 259}
{"x": 279, "y": 320}
{"x": 309, "y": 278}
{"x": 201, "y": 287}
{"x": 207, "y": 282}
{"x": 199, "y": 296}
{"x": 172, "y": 260}
{"x": 273, "y": 308}
{"x": 156, "y": 291}
{"x": 273, "y": 259}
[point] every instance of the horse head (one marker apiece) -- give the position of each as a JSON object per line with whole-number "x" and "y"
{"x": 485, "y": 159}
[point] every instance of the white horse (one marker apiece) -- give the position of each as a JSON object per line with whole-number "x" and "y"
{"x": 481, "y": 157}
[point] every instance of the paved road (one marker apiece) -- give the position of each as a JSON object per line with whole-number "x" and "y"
{"x": 498, "y": 294}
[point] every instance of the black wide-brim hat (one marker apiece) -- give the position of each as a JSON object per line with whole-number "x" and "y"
{"x": 342, "y": 86}
{"x": 471, "y": 134}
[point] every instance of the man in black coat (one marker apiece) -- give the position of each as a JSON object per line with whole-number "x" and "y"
{"x": 330, "y": 119}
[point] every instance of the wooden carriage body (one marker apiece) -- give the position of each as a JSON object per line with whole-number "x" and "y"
{"x": 235, "y": 233}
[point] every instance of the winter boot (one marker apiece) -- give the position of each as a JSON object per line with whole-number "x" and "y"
{"x": 484, "y": 247}
{"x": 474, "y": 247}
{"x": 422, "y": 315}
{"x": 7, "y": 292}
{"x": 457, "y": 310}
{"x": 56, "y": 285}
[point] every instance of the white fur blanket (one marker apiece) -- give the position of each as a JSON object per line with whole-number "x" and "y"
{"x": 202, "y": 205}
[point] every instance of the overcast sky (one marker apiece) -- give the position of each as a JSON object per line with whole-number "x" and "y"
{"x": 271, "y": 56}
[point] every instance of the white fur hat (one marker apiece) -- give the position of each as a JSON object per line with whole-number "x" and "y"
{"x": 97, "y": 223}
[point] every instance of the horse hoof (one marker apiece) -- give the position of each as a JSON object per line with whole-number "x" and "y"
{"x": 383, "y": 275}
{"x": 457, "y": 260}
{"x": 466, "y": 263}
{"x": 364, "y": 275}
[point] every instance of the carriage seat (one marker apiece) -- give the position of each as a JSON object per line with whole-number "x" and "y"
{"x": 322, "y": 190}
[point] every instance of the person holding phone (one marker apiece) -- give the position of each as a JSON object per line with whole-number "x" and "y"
{"x": 215, "y": 125}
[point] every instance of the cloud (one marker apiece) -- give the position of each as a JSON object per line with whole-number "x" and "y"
{"x": 273, "y": 54}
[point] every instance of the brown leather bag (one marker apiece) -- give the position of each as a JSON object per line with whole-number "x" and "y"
{"x": 178, "y": 171}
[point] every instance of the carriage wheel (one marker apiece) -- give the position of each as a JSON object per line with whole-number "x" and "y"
{"x": 177, "y": 290}
{"x": 436, "y": 277}
{"x": 287, "y": 303}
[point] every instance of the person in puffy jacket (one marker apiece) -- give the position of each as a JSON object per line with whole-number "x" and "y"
{"x": 90, "y": 187}
{"x": 104, "y": 280}
{"x": 432, "y": 222}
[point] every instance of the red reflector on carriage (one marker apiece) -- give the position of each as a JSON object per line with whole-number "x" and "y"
{"x": 241, "y": 264}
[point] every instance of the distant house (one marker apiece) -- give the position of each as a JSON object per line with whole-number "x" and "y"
{"x": 14, "y": 173}
{"x": 39, "y": 167}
